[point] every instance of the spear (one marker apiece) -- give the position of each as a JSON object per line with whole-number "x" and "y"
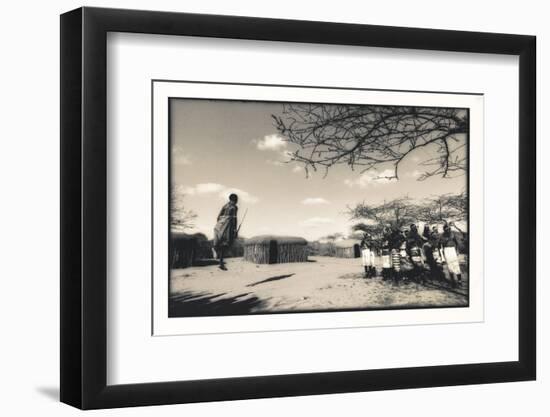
{"x": 242, "y": 221}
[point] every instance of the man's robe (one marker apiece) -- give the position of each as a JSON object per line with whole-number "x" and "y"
{"x": 225, "y": 231}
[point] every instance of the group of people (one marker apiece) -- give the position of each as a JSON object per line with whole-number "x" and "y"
{"x": 408, "y": 255}
{"x": 404, "y": 254}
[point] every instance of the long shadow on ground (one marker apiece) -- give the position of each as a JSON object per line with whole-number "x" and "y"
{"x": 189, "y": 304}
{"x": 277, "y": 278}
{"x": 205, "y": 262}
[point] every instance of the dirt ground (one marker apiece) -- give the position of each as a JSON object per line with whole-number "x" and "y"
{"x": 323, "y": 283}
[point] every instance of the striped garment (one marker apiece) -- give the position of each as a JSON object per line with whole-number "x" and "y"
{"x": 396, "y": 259}
{"x": 437, "y": 256}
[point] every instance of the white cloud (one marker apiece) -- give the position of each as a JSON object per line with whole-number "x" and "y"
{"x": 314, "y": 201}
{"x": 271, "y": 143}
{"x": 371, "y": 178}
{"x": 203, "y": 188}
{"x": 243, "y": 195}
{"x": 208, "y": 187}
{"x": 297, "y": 169}
{"x": 316, "y": 221}
{"x": 222, "y": 191}
{"x": 180, "y": 157}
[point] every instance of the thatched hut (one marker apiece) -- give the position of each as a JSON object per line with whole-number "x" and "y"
{"x": 348, "y": 248}
{"x": 186, "y": 249}
{"x": 269, "y": 249}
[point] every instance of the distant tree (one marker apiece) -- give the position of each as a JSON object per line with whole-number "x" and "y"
{"x": 459, "y": 203}
{"x": 375, "y": 231}
{"x": 444, "y": 208}
{"x": 181, "y": 219}
{"x": 356, "y": 235}
{"x": 373, "y": 136}
{"x": 371, "y": 229}
{"x": 333, "y": 236}
{"x": 394, "y": 213}
{"x": 327, "y": 247}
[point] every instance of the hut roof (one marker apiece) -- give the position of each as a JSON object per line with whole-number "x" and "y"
{"x": 347, "y": 243}
{"x": 186, "y": 236}
{"x": 266, "y": 239}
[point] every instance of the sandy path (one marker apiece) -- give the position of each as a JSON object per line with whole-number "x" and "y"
{"x": 324, "y": 283}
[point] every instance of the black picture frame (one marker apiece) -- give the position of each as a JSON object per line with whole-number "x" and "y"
{"x": 84, "y": 209}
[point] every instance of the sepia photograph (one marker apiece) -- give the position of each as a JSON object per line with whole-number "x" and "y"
{"x": 288, "y": 207}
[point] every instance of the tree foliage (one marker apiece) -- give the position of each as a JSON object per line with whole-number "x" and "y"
{"x": 444, "y": 208}
{"x": 403, "y": 211}
{"x": 369, "y": 229}
{"x": 395, "y": 213}
{"x": 374, "y": 230}
{"x": 373, "y": 136}
{"x": 181, "y": 219}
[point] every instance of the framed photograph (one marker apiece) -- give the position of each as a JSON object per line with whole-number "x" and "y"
{"x": 258, "y": 208}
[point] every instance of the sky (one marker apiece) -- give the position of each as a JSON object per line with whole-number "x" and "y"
{"x": 219, "y": 147}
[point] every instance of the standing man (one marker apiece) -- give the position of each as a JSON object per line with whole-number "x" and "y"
{"x": 396, "y": 240}
{"x": 386, "y": 258}
{"x": 449, "y": 246}
{"x": 432, "y": 252}
{"x": 426, "y": 232}
{"x": 413, "y": 247}
{"x": 464, "y": 236}
{"x": 414, "y": 239}
{"x": 435, "y": 238}
{"x": 225, "y": 231}
{"x": 427, "y": 247}
{"x": 367, "y": 252}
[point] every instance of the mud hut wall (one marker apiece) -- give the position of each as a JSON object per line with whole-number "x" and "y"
{"x": 291, "y": 252}
{"x": 183, "y": 252}
{"x": 257, "y": 253}
{"x": 265, "y": 250}
{"x": 347, "y": 252}
{"x": 186, "y": 249}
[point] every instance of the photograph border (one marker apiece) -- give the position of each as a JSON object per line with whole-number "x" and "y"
{"x": 170, "y": 179}
{"x": 83, "y": 216}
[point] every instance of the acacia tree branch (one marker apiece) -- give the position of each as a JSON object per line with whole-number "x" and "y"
{"x": 369, "y": 136}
